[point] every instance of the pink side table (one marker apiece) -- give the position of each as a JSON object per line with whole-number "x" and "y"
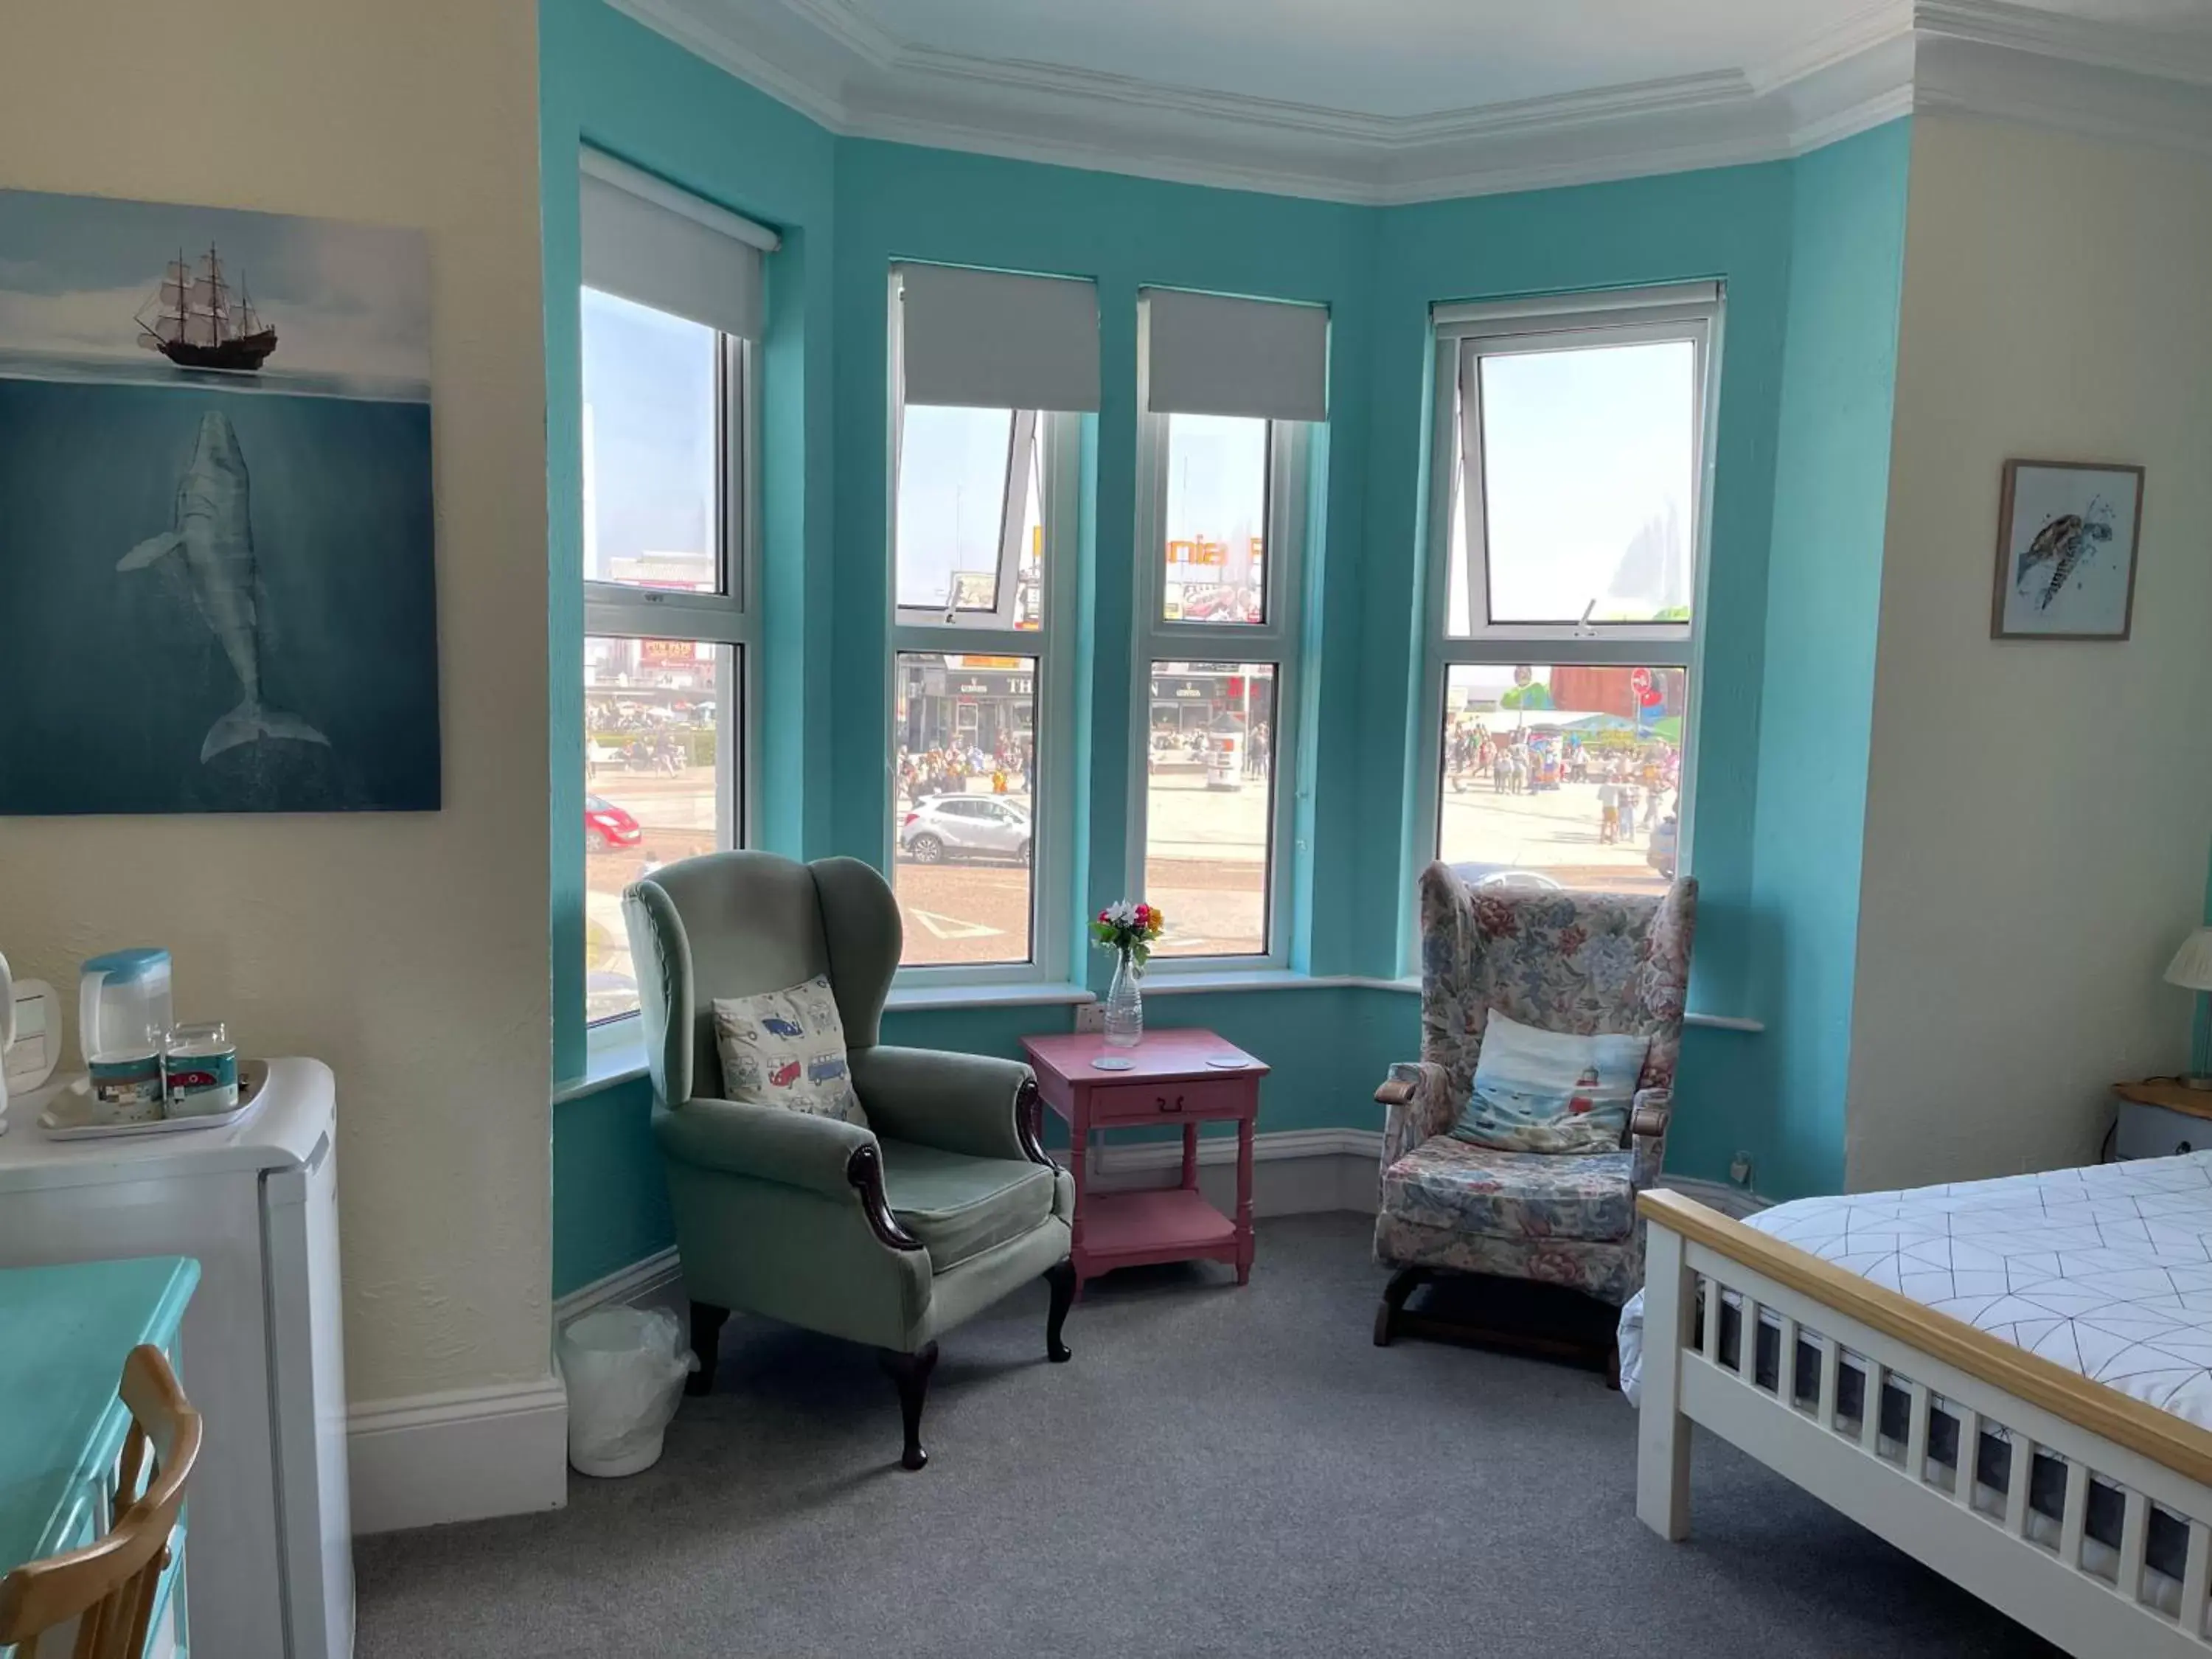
{"x": 1171, "y": 1081}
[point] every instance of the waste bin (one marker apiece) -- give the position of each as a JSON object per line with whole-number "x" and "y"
{"x": 624, "y": 1371}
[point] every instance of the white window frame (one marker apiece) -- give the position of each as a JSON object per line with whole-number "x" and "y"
{"x": 1464, "y": 334}
{"x": 1274, "y": 642}
{"x": 730, "y": 618}
{"x": 1055, "y": 440}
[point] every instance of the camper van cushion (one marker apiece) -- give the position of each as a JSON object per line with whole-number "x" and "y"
{"x": 787, "y": 1048}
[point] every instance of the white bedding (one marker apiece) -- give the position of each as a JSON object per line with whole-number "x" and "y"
{"x": 2105, "y": 1270}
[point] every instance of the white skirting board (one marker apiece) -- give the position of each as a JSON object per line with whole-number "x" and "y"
{"x": 464, "y": 1454}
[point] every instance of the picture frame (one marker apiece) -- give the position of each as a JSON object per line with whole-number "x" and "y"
{"x": 2067, "y": 534}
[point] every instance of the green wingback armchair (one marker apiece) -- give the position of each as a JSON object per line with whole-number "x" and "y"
{"x": 889, "y": 1235}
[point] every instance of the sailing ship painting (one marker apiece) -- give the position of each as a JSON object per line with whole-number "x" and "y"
{"x": 193, "y": 321}
{"x": 215, "y": 502}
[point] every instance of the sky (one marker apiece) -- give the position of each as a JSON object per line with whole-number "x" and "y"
{"x": 345, "y": 299}
{"x": 650, "y": 416}
{"x": 1582, "y": 449}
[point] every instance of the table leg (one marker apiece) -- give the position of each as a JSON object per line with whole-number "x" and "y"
{"x": 1190, "y": 1157}
{"x": 1245, "y": 1198}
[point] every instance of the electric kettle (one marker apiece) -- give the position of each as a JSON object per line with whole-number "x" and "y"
{"x": 123, "y": 1004}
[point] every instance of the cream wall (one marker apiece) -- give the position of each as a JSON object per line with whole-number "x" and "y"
{"x": 408, "y": 951}
{"x": 2038, "y": 814}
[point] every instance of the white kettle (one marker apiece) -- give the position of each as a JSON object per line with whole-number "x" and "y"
{"x": 7, "y": 1034}
{"x": 123, "y": 1004}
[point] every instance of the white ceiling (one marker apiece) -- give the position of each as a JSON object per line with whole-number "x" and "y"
{"x": 1404, "y": 99}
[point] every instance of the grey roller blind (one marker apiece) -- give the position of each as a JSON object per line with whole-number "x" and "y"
{"x": 650, "y": 242}
{"x": 987, "y": 339}
{"x": 1205, "y": 355}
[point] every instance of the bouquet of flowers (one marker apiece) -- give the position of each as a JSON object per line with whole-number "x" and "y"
{"x": 1129, "y": 928}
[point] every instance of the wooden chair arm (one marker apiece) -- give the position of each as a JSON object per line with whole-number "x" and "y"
{"x": 1396, "y": 1091}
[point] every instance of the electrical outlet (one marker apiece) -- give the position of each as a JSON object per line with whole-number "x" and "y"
{"x": 1739, "y": 1170}
{"x": 1090, "y": 1016}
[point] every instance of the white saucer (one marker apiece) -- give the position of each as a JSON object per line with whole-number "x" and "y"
{"x": 1114, "y": 1063}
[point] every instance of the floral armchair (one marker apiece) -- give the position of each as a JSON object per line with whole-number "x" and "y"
{"x": 1573, "y": 962}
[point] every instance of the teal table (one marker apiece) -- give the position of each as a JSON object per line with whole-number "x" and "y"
{"x": 63, "y": 1334}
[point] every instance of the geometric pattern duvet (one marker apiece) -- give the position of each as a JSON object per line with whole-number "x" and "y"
{"x": 2105, "y": 1270}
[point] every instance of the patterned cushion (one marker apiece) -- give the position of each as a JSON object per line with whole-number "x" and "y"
{"x": 787, "y": 1048}
{"x": 1449, "y": 1183}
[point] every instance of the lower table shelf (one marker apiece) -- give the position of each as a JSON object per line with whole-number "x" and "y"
{"x": 1166, "y": 1224}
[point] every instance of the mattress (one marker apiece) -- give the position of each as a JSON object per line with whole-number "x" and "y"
{"x": 2106, "y": 1271}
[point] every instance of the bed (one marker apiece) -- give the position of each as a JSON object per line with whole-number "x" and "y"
{"x": 2048, "y": 1335}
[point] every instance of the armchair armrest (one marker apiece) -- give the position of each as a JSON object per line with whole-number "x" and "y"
{"x": 1418, "y": 1099}
{"x": 1648, "y": 1117}
{"x": 766, "y": 1143}
{"x": 976, "y": 1104}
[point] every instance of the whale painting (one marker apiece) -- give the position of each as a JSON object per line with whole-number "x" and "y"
{"x": 213, "y": 535}
{"x": 217, "y": 586}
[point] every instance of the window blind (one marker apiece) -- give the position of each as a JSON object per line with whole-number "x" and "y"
{"x": 987, "y": 339}
{"x": 647, "y": 241}
{"x": 1207, "y": 355}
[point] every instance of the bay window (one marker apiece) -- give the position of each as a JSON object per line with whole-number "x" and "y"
{"x": 1568, "y": 519}
{"x": 1229, "y": 390}
{"x": 991, "y": 374}
{"x": 671, "y": 313}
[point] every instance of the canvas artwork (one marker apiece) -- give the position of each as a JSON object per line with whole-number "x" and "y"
{"x": 217, "y": 590}
{"x": 2066, "y": 550}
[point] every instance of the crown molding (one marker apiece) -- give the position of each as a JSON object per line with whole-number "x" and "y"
{"x": 835, "y": 62}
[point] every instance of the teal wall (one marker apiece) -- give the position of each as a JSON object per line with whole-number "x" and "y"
{"x": 1824, "y": 593}
{"x": 849, "y": 207}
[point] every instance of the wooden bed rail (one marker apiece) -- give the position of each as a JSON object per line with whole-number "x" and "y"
{"x": 2173, "y": 1441}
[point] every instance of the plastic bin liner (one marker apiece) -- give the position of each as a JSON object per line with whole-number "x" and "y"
{"x": 624, "y": 1371}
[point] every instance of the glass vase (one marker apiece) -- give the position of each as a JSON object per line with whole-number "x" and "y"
{"x": 1125, "y": 1005}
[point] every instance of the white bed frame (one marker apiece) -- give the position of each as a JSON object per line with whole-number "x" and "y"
{"x": 1990, "y": 1548}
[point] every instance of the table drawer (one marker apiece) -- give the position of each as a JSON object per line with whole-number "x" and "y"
{"x": 1165, "y": 1103}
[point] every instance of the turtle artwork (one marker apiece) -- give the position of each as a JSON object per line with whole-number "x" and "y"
{"x": 2067, "y": 535}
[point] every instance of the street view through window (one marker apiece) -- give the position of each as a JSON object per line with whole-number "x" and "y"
{"x": 1577, "y": 510}
{"x": 1209, "y": 801}
{"x": 659, "y": 781}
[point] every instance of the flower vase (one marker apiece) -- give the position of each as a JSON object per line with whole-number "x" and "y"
{"x": 1125, "y": 1006}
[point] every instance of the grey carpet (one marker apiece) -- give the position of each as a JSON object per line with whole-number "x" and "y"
{"x": 1217, "y": 1472}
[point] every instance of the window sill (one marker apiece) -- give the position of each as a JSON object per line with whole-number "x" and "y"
{"x": 1168, "y": 983}
{"x": 613, "y": 1053}
{"x": 1022, "y": 994}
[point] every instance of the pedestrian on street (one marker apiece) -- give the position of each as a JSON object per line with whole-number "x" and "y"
{"x": 1608, "y": 812}
{"x": 1628, "y": 802}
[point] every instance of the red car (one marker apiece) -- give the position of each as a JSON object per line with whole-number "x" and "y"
{"x": 606, "y": 826}
{"x": 784, "y": 1074}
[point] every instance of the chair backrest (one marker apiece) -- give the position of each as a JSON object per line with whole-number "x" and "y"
{"x": 738, "y": 924}
{"x": 107, "y": 1588}
{"x": 1561, "y": 961}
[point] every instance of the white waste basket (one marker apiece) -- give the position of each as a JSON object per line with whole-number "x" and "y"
{"x": 624, "y": 1371}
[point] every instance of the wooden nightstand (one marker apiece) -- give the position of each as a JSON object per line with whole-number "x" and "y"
{"x": 2160, "y": 1117}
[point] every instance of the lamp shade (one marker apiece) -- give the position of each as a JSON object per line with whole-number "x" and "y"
{"x": 2192, "y": 963}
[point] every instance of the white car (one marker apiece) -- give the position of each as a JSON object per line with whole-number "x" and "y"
{"x": 964, "y": 826}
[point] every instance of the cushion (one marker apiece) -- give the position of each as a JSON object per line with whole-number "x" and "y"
{"x": 959, "y": 1207}
{"x": 787, "y": 1048}
{"x": 1548, "y": 1092}
{"x": 1453, "y": 1184}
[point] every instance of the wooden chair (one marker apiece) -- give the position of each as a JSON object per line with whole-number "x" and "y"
{"x": 107, "y": 1588}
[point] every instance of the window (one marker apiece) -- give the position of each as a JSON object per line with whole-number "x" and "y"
{"x": 1571, "y": 485}
{"x": 988, "y": 383}
{"x": 669, "y": 313}
{"x": 1222, "y": 462}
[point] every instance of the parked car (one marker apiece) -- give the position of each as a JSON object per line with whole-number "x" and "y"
{"x": 1661, "y": 855}
{"x": 606, "y": 826}
{"x": 1509, "y": 878}
{"x": 964, "y": 826}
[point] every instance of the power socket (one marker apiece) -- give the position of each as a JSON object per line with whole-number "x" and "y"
{"x": 1739, "y": 1170}
{"x": 1091, "y": 1017}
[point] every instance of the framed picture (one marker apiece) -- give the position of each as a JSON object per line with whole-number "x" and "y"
{"x": 2066, "y": 550}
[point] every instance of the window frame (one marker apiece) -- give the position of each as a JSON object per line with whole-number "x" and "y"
{"x": 1274, "y": 642}
{"x": 1054, "y": 440}
{"x": 730, "y": 618}
{"x": 1463, "y": 335}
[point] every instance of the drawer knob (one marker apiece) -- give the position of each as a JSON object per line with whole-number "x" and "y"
{"x": 1163, "y": 1103}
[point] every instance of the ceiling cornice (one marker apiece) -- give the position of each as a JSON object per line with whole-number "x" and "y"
{"x": 837, "y": 64}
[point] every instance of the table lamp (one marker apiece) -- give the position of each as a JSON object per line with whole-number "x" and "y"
{"x": 2192, "y": 966}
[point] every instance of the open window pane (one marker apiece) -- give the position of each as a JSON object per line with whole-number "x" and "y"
{"x": 659, "y": 784}
{"x": 1217, "y": 519}
{"x": 1209, "y": 807}
{"x": 953, "y": 505}
{"x": 1587, "y": 473}
{"x": 964, "y": 747}
{"x": 652, "y": 447}
{"x": 1565, "y": 776}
